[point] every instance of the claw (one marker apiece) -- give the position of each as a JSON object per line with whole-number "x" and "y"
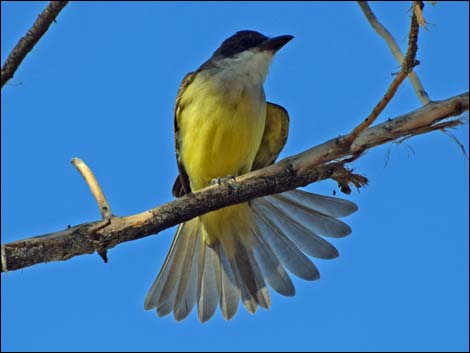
{"x": 290, "y": 169}
{"x": 224, "y": 180}
{"x": 228, "y": 181}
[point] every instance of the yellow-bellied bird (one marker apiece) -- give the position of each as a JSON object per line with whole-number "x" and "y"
{"x": 224, "y": 127}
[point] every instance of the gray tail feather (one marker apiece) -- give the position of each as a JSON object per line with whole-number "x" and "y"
{"x": 289, "y": 226}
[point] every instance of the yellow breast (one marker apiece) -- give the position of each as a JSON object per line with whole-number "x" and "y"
{"x": 220, "y": 130}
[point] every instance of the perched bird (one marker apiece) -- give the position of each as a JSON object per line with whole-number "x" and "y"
{"x": 224, "y": 127}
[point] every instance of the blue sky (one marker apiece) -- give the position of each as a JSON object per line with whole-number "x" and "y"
{"x": 101, "y": 85}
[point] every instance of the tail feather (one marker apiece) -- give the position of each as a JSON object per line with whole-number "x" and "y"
{"x": 250, "y": 273}
{"x": 153, "y": 295}
{"x": 249, "y": 302}
{"x": 331, "y": 206}
{"x": 262, "y": 292}
{"x": 305, "y": 239}
{"x": 209, "y": 287}
{"x": 183, "y": 252}
{"x": 184, "y": 305}
{"x": 272, "y": 269}
{"x": 186, "y": 266}
{"x": 230, "y": 293}
{"x": 318, "y": 222}
{"x": 287, "y": 252}
{"x": 165, "y": 307}
{"x": 184, "y": 249}
{"x": 281, "y": 230}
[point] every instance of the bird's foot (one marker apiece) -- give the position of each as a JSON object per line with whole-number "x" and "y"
{"x": 225, "y": 180}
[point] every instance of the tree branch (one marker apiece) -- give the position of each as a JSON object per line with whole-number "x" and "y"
{"x": 328, "y": 160}
{"x": 392, "y": 44}
{"x": 28, "y": 41}
{"x": 406, "y": 67}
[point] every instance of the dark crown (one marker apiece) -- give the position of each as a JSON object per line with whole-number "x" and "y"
{"x": 239, "y": 42}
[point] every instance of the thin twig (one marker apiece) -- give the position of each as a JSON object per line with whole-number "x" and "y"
{"x": 321, "y": 162}
{"x": 457, "y": 142}
{"x": 27, "y": 43}
{"x": 95, "y": 188}
{"x": 406, "y": 67}
{"x": 392, "y": 44}
{"x": 377, "y": 109}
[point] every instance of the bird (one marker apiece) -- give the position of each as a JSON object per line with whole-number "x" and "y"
{"x": 224, "y": 127}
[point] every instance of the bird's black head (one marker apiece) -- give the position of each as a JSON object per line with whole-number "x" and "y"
{"x": 245, "y": 40}
{"x": 240, "y": 41}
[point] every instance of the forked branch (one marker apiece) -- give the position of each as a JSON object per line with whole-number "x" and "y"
{"x": 395, "y": 49}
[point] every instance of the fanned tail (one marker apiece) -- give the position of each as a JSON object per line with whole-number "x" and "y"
{"x": 283, "y": 229}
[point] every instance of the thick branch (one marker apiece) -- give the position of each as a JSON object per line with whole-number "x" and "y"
{"x": 392, "y": 44}
{"x": 27, "y": 43}
{"x": 321, "y": 162}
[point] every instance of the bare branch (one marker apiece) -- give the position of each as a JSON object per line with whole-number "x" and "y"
{"x": 27, "y": 43}
{"x": 95, "y": 188}
{"x": 327, "y": 160}
{"x": 406, "y": 68}
{"x": 392, "y": 44}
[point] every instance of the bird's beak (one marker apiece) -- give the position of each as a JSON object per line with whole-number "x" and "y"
{"x": 275, "y": 43}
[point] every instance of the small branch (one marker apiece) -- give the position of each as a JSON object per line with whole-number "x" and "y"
{"x": 321, "y": 162}
{"x": 95, "y": 188}
{"x": 392, "y": 44}
{"x": 27, "y": 43}
{"x": 103, "y": 204}
{"x": 406, "y": 67}
{"x": 377, "y": 109}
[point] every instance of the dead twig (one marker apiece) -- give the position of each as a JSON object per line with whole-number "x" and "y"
{"x": 94, "y": 186}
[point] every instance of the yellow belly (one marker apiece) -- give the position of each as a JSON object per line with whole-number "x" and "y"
{"x": 220, "y": 135}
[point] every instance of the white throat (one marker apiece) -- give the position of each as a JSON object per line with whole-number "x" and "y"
{"x": 249, "y": 66}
